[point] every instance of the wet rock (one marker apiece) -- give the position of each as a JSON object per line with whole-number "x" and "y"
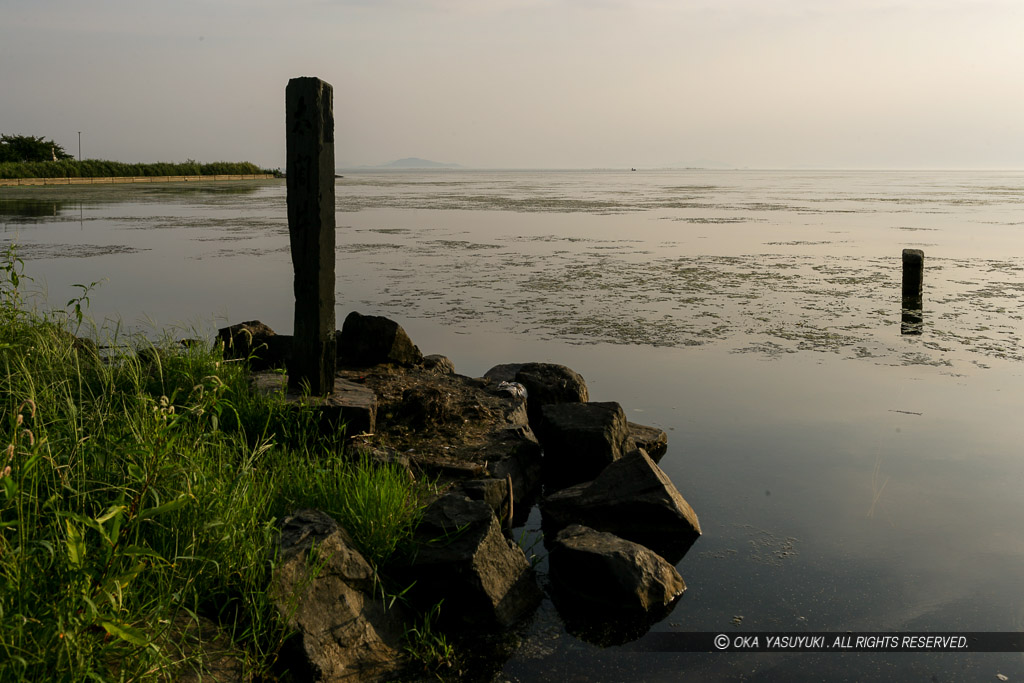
{"x": 463, "y": 559}
{"x": 442, "y": 365}
{"x": 342, "y": 632}
{"x": 652, "y": 440}
{"x": 255, "y": 342}
{"x": 367, "y": 340}
{"x": 580, "y": 440}
{"x": 632, "y": 498}
{"x": 594, "y": 570}
{"x": 547, "y": 384}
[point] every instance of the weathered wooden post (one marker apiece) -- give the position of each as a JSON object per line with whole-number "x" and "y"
{"x": 913, "y": 292}
{"x": 309, "y": 107}
{"x": 913, "y": 273}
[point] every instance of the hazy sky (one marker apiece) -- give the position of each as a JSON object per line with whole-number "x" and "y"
{"x": 527, "y": 83}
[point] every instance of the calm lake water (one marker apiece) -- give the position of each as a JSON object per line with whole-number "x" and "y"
{"x": 847, "y": 477}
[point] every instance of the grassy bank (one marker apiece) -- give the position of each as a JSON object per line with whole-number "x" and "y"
{"x": 97, "y": 168}
{"x": 139, "y": 493}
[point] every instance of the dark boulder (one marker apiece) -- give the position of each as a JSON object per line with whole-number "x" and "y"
{"x": 599, "y": 571}
{"x": 367, "y": 340}
{"x": 324, "y": 589}
{"x": 652, "y": 440}
{"x": 255, "y": 342}
{"x": 547, "y": 384}
{"x": 462, "y": 558}
{"x": 580, "y": 440}
{"x": 506, "y": 372}
{"x": 632, "y": 498}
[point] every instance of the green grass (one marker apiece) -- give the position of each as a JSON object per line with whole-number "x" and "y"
{"x": 141, "y": 489}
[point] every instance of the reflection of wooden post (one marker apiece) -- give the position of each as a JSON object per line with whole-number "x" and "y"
{"x": 913, "y": 292}
{"x": 309, "y": 107}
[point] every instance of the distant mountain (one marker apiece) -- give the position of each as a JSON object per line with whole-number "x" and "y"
{"x": 416, "y": 162}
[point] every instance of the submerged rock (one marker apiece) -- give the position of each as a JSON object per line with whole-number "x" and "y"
{"x": 632, "y": 498}
{"x": 324, "y": 589}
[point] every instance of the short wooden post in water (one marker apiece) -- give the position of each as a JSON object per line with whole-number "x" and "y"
{"x": 913, "y": 273}
{"x": 913, "y": 292}
{"x": 309, "y": 106}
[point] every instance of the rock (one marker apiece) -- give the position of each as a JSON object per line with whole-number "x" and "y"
{"x": 442, "y": 365}
{"x": 580, "y": 440}
{"x": 604, "y": 572}
{"x": 475, "y": 432}
{"x": 632, "y": 498}
{"x": 463, "y": 559}
{"x": 517, "y": 456}
{"x": 367, "y": 340}
{"x": 652, "y": 440}
{"x": 342, "y": 632}
{"x": 548, "y": 383}
{"x": 505, "y": 372}
{"x": 350, "y": 404}
{"x": 494, "y": 492}
{"x": 255, "y": 342}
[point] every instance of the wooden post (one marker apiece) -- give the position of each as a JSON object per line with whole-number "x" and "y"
{"x": 913, "y": 273}
{"x": 913, "y": 292}
{"x": 309, "y": 107}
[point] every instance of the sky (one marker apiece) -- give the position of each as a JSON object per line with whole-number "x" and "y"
{"x": 527, "y": 83}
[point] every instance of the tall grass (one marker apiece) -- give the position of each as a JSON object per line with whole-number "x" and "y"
{"x": 138, "y": 490}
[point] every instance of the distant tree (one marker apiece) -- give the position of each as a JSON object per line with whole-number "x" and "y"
{"x": 30, "y": 148}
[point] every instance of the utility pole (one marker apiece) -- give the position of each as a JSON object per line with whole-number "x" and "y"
{"x": 79, "y": 146}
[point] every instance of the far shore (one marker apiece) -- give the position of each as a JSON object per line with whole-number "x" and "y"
{"x": 116, "y": 180}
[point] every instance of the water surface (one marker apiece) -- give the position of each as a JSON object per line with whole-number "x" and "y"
{"x": 847, "y": 477}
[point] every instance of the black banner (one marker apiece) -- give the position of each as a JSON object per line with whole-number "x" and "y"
{"x": 846, "y": 641}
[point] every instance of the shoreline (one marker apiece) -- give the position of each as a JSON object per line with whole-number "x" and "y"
{"x": 122, "y": 180}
